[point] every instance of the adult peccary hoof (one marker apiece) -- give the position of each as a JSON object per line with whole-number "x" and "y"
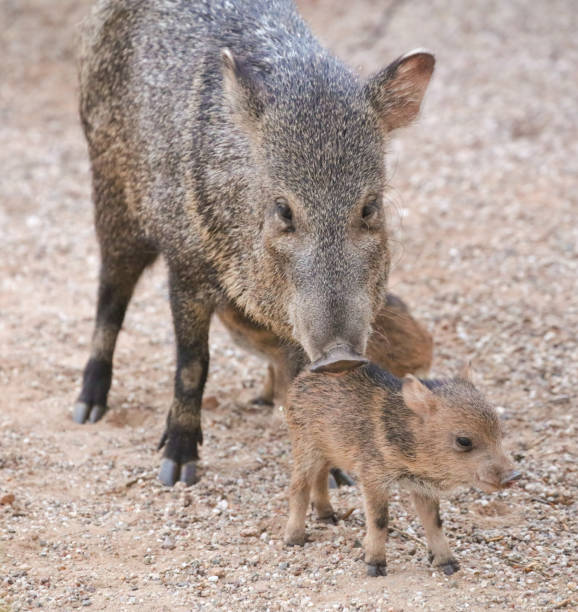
{"x": 96, "y": 413}
{"x": 169, "y": 472}
{"x": 80, "y": 412}
{"x": 189, "y": 473}
{"x": 338, "y": 478}
{"x": 338, "y": 359}
{"x": 83, "y": 412}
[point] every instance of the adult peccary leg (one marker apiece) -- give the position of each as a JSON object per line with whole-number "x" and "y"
{"x": 191, "y": 316}
{"x": 440, "y": 554}
{"x": 125, "y": 253}
{"x": 267, "y": 395}
{"x": 118, "y": 278}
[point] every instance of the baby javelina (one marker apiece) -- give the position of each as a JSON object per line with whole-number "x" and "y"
{"x": 428, "y": 435}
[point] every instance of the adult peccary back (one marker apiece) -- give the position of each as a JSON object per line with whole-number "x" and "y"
{"x": 398, "y": 343}
{"x": 222, "y": 135}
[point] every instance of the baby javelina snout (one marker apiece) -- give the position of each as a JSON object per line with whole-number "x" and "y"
{"x": 427, "y": 435}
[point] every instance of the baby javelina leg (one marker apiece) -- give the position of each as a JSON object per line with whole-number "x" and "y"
{"x": 298, "y": 502}
{"x": 428, "y": 510}
{"x": 377, "y": 520}
{"x": 320, "y": 496}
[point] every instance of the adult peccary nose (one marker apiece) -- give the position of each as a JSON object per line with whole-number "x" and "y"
{"x": 510, "y": 478}
{"x": 340, "y": 358}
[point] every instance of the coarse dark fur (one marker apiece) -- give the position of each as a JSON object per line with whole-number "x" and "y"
{"x": 387, "y": 431}
{"x": 224, "y": 137}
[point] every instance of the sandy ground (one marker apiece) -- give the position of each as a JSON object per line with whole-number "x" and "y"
{"x": 484, "y": 218}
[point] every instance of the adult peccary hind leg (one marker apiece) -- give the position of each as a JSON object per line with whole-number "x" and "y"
{"x": 124, "y": 254}
{"x": 183, "y": 434}
{"x": 118, "y": 277}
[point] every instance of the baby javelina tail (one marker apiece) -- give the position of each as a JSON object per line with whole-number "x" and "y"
{"x": 428, "y": 435}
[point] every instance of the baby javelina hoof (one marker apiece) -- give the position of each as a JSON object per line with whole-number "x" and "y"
{"x": 428, "y": 435}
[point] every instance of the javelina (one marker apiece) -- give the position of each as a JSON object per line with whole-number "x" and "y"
{"x": 398, "y": 343}
{"x": 428, "y": 435}
{"x": 224, "y": 137}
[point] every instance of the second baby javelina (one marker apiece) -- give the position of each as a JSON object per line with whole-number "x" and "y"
{"x": 398, "y": 342}
{"x": 428, "y": 435}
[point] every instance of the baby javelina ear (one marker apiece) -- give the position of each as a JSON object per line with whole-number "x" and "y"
{"x": 418, "y": 397}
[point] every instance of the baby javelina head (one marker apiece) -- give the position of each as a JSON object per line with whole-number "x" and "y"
{"x": 428, "y": 435}
{"x": 458, "y": 435}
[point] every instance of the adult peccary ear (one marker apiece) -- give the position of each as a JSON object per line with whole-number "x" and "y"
{"x": 243, "y": 89}
{"x": 418, "y": 397}
{"x": 396, "y": 92}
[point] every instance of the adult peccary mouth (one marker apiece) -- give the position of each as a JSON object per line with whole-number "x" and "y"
{"x": 339, "y": 359}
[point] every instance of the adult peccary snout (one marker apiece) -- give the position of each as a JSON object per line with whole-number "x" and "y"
{"x": 223, "y": 136}
{"x": 333, "y": 326}
{"x": 339, "y": 358}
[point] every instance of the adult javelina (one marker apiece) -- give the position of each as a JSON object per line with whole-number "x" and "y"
{"x": 222, "y": 135}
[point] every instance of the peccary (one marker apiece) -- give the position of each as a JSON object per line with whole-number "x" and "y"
{"x": 224, "y": 137}
{"x": 428, "y": 435}
{"x": 398, "y": 343}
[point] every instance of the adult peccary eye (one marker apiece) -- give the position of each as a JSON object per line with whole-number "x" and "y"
{"x": 464, "y": 443}
{"x": 369, "y": 209}
{"x": 284, "y": 210}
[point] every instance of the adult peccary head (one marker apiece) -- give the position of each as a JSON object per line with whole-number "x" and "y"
{"x": 317, "y": 136}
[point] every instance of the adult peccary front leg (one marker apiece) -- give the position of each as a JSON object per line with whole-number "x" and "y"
{"x": 191, "y": 315}
{"x": 428, "y": 510}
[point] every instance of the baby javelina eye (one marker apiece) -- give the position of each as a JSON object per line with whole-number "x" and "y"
{"x": 463, "y": 443}
{"x": 284, "y": 211}
{"x": 369, "y": 211}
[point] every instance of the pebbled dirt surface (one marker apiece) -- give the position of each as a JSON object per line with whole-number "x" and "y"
{"x": 484, "y": 215}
